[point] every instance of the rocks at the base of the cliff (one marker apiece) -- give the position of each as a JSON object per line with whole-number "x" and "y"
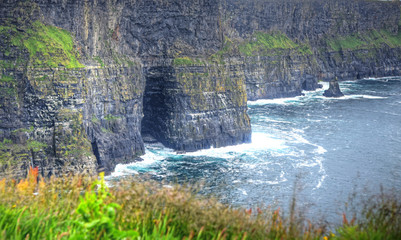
{"x": 334, "y": 90}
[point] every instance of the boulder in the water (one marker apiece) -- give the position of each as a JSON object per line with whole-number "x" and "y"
{"x": 334, "y": 89}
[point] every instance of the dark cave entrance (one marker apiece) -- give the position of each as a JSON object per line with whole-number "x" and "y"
{"x": 97, "y": 155}
{"x": 156, "y": 105}
{"x": 304, "y": 85}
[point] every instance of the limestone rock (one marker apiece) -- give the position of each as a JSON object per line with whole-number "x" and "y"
{"x": 334, "y": 90}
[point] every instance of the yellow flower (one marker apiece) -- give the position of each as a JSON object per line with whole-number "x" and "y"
{"x": 14, "y": 206}
{"x": 325, "y": 238}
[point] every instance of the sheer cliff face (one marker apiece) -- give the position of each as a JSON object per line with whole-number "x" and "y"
{"x": 83, "y": 81}
{"x": 289, "y": 45}
{"x": 80, "y": 105}
{"x": 310, "y": 20}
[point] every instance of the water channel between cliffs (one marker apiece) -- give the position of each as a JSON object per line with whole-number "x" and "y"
{"x": 329, "y": 147}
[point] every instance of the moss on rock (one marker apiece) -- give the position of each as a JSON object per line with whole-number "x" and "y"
{"x": 48, "y": 46}
{"x": 366, "y": 40}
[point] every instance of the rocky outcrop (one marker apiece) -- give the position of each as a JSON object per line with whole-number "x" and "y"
{"x": 82, "y": 81}
{"x": 334, "y": 89}
{"x": 191, "y": 107}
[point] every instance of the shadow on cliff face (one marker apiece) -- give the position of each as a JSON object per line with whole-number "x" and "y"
{"x": 191, "y": 113}
{"x": 156, "y": 104}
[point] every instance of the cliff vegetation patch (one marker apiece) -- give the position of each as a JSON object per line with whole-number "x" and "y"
{"x": 367, "y": 40}
{"x": 265, "y": 44}
{"x": 48, "y": 46}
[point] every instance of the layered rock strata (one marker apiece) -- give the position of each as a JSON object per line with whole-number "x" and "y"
{"x": 290, "y": 45}
{"x": 83, "y": 81}
{"x": 195, "y": 107}
{"x": 74, "y": 100}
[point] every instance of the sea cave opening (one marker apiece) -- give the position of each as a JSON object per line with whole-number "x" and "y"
{"x": 156, "y": 107}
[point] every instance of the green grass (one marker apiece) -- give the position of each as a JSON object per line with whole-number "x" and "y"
{"x": 95, "y": 120}
{"x": 31, "y": 128}
{"x": 380, "y": 218}
{"x": 367, "y": 40}
{"x": 99, "y": 60}
{"x": 8, "y": 87}
{"x": 262, "y": 43}
{"x": 6, "y": 79}
{"x": 5, "y": 141}
{"x": 35, "y": 146}
{"x": 48, "y": 46}
{"x": 6, "y": 64}
{"x": 274, "y": 40}
{"x": 187, "y": 61}
{"x": 105, "y": 130}
{"x": 183, "y": 61}
{"x": 110, "y": 117}
{"x": 83, "y": 207}
{"x": 228, "y": 48}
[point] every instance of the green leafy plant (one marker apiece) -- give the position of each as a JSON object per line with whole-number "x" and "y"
{"x": 97, "y": 215}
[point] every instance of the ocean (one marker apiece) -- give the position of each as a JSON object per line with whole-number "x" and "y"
{"x": 321, "y": 150}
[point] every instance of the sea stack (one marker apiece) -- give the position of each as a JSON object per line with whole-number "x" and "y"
{"x": 334, "y": 89}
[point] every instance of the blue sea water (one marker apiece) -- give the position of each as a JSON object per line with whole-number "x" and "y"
{"x": 323, "y": 150}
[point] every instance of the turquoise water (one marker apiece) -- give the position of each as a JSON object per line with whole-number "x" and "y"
{"x": 323, "y": 148}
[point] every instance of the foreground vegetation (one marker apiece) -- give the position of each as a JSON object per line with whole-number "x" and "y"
{"x": 83, "y": 207}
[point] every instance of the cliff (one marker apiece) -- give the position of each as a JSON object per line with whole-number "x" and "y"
{"x": 288, "y": 46}
{"x": 83, "y": 81}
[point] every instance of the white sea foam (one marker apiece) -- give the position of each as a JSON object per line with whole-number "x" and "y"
{"x": 292, "y": 100}
{"x": 121, "y": 170}
{"x": 322, "y": 171}
{"x": 321, "y": 180}
{"x": 347, "y": 97}
{"x": 371, "y": 97}
{"x": 279, "y": 180}
{"x": 272, "y": 182}
{"x": 325, "y": 85}
{"x": 267, "y": 119}
{"x": 154, "y": 153}
{"x": 260, "y": 141}
{"x": 384, "y": 79}
{"x": 280, "y": 101}
{"x": 296, "y": 136}
{"x": 345, "y": 87}
{"x": 320, "y": 150}
{"x": 243, "y": 191}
